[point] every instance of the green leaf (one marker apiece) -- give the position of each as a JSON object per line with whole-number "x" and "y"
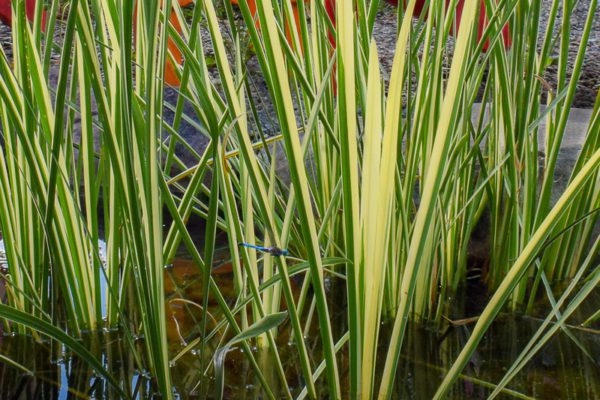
{"x": 262, "y": 326}
{"x": 55, "y": 333}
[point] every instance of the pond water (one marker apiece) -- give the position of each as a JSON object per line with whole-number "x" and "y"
{"x": 562, "y": 370}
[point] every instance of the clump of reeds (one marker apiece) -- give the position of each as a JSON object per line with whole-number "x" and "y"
{"x": 387, "y": 184}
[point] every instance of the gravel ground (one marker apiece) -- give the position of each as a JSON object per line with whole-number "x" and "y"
{"x": 385, "y": 36}
{"x": 385, "y": 30}
{"x": 589, "y": 83}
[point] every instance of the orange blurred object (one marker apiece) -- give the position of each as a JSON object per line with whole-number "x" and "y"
{"x": 170, "y": 76}
{"x": 170, "y": 69}
{"x": 288, "y": 33}
{"x": 170, "y": 72}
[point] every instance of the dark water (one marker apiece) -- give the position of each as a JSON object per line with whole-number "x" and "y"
{"x": 562, "y": 370}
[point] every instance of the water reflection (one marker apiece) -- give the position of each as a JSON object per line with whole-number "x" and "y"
{"x": 562, "y": 370}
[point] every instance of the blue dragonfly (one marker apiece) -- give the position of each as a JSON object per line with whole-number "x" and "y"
{"x": 274, "y": 251}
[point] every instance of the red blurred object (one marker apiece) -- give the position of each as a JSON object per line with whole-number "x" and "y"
{"x": 330, "y": 7}
{"x": 483, "y": 20}
{"x": 171, "y": 76}
{"x": 6, "y": 15}
{"x": 420, "y": 4}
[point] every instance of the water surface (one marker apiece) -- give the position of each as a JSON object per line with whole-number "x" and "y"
{"x": 565, "y": 369}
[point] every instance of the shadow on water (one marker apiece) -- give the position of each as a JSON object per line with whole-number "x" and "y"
{"x": 561, "y": 370}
